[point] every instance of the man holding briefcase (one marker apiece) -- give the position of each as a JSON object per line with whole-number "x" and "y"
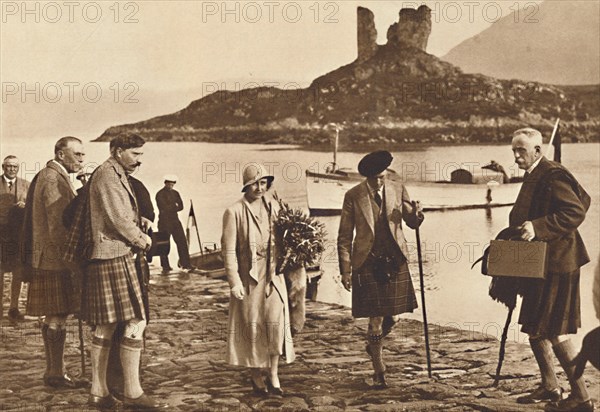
{"x": 550, "y": 207}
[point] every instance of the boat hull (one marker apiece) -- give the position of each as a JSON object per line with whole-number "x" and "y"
{"x": 325, "y": 195}
{"x": 209, "y": 263}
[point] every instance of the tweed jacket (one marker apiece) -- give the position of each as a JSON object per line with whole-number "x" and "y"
{"x": 114, "y": 220}
{"x": 8, "y": 200}
{"x": 50, "y": 194}
{"x": 239, "y": 248}
{"x": 357, "y": 216}
{"x": 556, "y": 205}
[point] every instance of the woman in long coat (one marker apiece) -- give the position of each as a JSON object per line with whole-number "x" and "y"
{"x": 258, "y": 331}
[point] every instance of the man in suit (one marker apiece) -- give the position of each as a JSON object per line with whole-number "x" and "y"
{"x": 13, "y": 194}
{"x": 373, "y": 263}
{"x": 550, "y": 207}
{"x": 112, "y": 292}
{"x": 169, "y": 203}
{"x": 52, "y": 291}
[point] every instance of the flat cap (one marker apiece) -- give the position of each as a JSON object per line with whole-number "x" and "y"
{"x": 170, "y": 178}
{"x": 375, "y": 163}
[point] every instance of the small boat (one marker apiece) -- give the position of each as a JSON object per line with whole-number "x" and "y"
{"x": 487, "y": 187}
{"x": 208, "y": 261}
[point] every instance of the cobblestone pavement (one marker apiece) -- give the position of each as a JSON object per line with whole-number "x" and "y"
{"x": 183, "y": 363}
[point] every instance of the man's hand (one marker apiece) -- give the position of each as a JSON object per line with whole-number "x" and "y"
{"x": 347, "y": 281}
{"x": 527, "y": 231}
{"x": 148, "y": 243}
{"x": 20, "y": 204}
{"x": 417, "y": 209}
{"x": 146, "y": 224}
{"x": 238, "y": 292}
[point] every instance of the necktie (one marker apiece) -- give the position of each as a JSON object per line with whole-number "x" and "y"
{"x": 377, "y": 197}
{"x": 526, "y": 175}
{"x": 10, "y": 185}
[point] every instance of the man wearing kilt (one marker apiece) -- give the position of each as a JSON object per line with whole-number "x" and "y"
{"x": 373, "y": 261}
{"x": 53, "y": 290}
{"x": 550, "y": 207}
{"x": 111, "y": 291}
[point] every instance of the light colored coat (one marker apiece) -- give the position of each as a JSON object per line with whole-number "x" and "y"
{"x": 52, "y": 193}
{"x": 249, "y": 318}
{"x": 113, "y": 213}
{"x": 357, "y": 216}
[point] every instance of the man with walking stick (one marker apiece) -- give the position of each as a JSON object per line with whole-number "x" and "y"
{"x": 374, "y": 262}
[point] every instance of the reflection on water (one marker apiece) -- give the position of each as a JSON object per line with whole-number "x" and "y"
{"x": 209, "y": 174}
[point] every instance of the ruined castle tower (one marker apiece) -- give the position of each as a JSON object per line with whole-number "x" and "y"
{"x": 367, "y": 34}
{"x": 412, "y": 30}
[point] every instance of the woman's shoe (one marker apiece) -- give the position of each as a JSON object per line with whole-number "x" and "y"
{"x": 263, "y": 391}
{"x": 144, "y": 403}
{"x": 272, "y": 389}
{"x": 107, "y": 402}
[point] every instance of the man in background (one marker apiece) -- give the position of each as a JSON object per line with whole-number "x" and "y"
{"x": 13, "y": 194}
{"x": 169, "y": 204}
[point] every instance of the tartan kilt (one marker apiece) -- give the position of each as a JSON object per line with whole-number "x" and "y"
{"x": 372, "y": 298}
{"x": 52, "y": 292}
{"x": 551, "y": 307}
{"x": 111, "y": 291}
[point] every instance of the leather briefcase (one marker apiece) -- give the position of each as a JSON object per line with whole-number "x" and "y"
{"x": 517, "y": 258}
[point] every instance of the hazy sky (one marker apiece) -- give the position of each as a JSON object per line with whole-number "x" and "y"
{"x": 180, "y": 44}
{"x": 148, "y": 49}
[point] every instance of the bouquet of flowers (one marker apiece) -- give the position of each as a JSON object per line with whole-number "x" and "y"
{"x": 302, "y": 238}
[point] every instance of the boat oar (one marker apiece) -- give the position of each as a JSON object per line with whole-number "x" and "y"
{"x": 421, "y": 278}
{"x": 503, "y": 346}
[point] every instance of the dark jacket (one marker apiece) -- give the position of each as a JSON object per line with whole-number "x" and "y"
{"x": 143, "y": 198}
{"x": 552, "y": 199}
{"x": 169, "y": 203}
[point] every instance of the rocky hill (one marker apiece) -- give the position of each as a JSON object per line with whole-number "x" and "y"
{"x": 392, "y": 93}
{"x": 557, "y": 42}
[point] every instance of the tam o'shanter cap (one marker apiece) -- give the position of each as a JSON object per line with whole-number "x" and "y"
{"x": 170, "y": 178}
{"x": 375, "y": 163}
{"x": 253, "y": 173}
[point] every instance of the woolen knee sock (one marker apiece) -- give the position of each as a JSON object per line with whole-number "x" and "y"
{"x": 44, "y": 329}
{"x": 99, "y": 357}
{"x": 375, "y": 343}
{"x": 130, "y": 352}
{"x": 542, "y": 350}
{"x": 56, "y": 343}
{"x": 565, "y": 352}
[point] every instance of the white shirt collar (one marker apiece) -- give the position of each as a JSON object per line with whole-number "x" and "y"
{"x": 373, "y": 190}
{"x": 62, "y": 167}
{"x": 7, "y": 180}
{"x": 534, "y": 165}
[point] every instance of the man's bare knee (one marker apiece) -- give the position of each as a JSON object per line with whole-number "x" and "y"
{"x": 105, "y": 331}
{"x": 375, "y": 325}
{"x": 134, "y": 329}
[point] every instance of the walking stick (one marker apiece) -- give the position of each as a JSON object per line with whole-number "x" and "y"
{"x": 503, "y": 346}
{"x": 425, "y": 326}
{"x": 81, "y": 349}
